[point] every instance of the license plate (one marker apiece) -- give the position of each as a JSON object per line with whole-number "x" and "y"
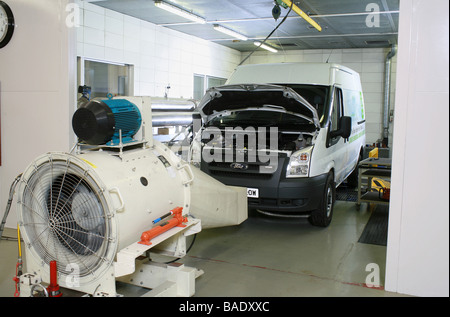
{"x": 252, "y": 192}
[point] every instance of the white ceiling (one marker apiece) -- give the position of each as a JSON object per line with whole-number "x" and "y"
{"x": 343, "y": 22}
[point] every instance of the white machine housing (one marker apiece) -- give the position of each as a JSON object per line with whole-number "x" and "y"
{"x": 88, "y": 210}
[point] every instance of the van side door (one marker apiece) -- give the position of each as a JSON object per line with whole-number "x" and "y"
{"x": 336, "y": 144}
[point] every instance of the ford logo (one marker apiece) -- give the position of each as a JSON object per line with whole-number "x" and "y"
{"x": 239, "y": 166}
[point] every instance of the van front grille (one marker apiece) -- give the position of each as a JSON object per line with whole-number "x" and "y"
{"x": 232, "y": 173}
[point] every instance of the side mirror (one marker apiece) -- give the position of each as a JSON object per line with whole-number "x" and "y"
{"x": 345, "y": 128}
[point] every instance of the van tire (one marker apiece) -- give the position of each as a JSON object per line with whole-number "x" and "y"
{"x": 323, "y": 215}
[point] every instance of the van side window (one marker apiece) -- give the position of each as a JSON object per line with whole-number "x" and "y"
{"x": 336, "y": 113}
{"x": 337, "y": 110}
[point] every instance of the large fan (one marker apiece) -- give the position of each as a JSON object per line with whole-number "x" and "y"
{"x": 65, "y": 216}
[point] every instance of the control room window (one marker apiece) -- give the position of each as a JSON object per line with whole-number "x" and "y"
{"x": 104, "y": 77}
{"x": 215, "y": 81}
{"x": 203, "y": 82}
{"x": 199, "y": 86}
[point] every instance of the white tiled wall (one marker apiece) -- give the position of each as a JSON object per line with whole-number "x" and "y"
{"x": 369, "y": 63}
{"x": 160, "y": 56}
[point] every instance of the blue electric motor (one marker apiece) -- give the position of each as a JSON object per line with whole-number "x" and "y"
{"x": 99, "y": 121}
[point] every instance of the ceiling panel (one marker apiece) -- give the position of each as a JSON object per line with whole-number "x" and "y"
{"x": 345, "y": 23}
{"x": 343, "y": 6}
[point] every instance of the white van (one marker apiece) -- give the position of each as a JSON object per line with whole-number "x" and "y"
{"x": 309, "y": 116}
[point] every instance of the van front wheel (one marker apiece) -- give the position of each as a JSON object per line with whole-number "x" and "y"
{"x": 322, "y": 216}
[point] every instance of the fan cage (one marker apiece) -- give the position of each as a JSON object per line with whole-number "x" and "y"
{"x": 65, "y": 216}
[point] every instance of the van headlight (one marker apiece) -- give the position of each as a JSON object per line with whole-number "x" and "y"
{"x": 299, "y": 163}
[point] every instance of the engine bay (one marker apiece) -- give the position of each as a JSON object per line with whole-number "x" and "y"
{"x": 259, "y": 139}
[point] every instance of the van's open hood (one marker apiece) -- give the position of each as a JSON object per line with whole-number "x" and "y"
{"x": 271, "y": 97}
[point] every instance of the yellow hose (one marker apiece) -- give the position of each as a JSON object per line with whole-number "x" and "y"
{"x": 18, "y": 239}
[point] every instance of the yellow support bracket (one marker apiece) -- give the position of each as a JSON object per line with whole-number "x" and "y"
{"x": 303, "y": 15}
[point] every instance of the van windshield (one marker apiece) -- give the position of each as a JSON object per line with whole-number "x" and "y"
{"x": 316, "y": 95}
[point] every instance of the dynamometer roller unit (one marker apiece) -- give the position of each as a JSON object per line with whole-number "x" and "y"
{"x": 100, "y": 212}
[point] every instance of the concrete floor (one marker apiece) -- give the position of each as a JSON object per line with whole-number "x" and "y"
{"x": 271, "y": 257}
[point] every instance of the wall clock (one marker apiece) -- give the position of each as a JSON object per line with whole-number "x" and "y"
{"x": 6, "y": 24}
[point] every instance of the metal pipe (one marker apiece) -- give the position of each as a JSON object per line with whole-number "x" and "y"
{"x": 8, "y": 204}
{"x": 38, "y": 285}
{"x": 172, "y": 105}
{"x": 387, "y": 90}
{"x": 163, "y": 119}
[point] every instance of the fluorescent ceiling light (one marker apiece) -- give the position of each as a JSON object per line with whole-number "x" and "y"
{"x": 232, "y": 33}
{"x": 181, "y": 12}
{"x": 266, "y": 47}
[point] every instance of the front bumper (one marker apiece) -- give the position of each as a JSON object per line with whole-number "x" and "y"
{"x": 277, "y": 194}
